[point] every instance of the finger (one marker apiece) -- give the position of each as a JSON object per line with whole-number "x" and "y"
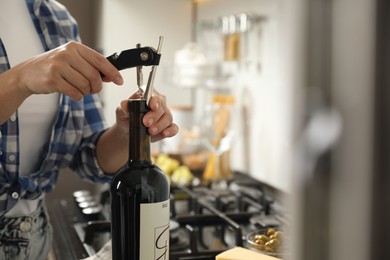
{"x": 152, "y": 117}
{"x": 158, "y": 109}
{"x": 58, "y": 82}
{"x": 170, "y": 131}
{"x": 157, "y": 100}
{"x": 77, "y": 80}
{"x": 101, "y": 64}
{"x": 89, "y": 73}
{"x": 69, "y": 56}
{"x": 69, "y": 90}
{"x": 160, "y": 125}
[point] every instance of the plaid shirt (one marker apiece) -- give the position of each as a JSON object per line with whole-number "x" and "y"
{"x": 77, "y": 127}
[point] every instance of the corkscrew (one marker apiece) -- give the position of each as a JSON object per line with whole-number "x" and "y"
{"x": 139, "y": 57}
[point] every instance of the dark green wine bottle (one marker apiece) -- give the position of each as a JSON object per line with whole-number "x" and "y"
{"x": 139, "y": 198}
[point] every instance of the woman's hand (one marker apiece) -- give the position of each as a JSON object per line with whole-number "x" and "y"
{"x": 159, "y": 120}
{"x": 73, "y": 69}
{"x": 112, "y": 147}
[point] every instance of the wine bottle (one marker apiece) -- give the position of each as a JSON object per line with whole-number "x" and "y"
{"x": 139, "y": 198}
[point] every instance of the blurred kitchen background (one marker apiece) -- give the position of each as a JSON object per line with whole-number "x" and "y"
{"x": 310, "y": 101}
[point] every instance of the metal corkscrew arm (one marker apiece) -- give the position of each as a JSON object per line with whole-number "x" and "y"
{"x": 149, "y": 85}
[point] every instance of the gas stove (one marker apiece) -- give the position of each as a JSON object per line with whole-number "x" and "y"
{"x": 204, "y": 221}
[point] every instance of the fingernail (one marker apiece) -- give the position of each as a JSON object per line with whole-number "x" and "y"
{"x": 150, "y": 121}
{"x": 119, "y": 80}
{"x": 157, "y": 105}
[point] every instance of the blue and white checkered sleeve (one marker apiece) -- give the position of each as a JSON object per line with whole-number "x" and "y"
{"x": 85, "y": 163}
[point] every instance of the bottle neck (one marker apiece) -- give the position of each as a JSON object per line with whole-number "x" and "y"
{"x": 139, "y": 139}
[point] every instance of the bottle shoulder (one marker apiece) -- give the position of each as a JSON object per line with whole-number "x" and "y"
{"x": 139, "y": 169}
{"x": 131, "y": 175}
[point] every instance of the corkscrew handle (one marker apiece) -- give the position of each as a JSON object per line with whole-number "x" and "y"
{"x": 140, "y": 56}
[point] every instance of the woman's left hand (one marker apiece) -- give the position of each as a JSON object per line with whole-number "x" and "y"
{"x": 159, "y": 120}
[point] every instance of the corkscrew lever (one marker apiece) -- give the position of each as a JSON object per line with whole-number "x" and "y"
{"x": 142, "y": 56}
{"x": 138, "y": 57}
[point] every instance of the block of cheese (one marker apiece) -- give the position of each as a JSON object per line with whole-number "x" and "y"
{"x": 240, "y": 253}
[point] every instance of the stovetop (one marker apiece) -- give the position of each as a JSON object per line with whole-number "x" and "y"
{"x": 204, "y": 221}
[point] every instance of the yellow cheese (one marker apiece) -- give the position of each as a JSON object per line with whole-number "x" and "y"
{"x": 240, "y": 253}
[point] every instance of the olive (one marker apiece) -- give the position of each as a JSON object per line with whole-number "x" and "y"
{"x": 270, "y": 232}
{"x": 269, "y": 249}
{"x": 273, "y": 243}
{"x": 259, "y": 242}
{"x": 279, "y": 234}
{"x": 264, "y": 238}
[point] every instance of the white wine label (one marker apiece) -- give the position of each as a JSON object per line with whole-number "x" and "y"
{"x": 154, "y": 231}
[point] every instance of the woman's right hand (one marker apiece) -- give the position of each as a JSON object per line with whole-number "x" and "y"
{"x": 73, "y": 69}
